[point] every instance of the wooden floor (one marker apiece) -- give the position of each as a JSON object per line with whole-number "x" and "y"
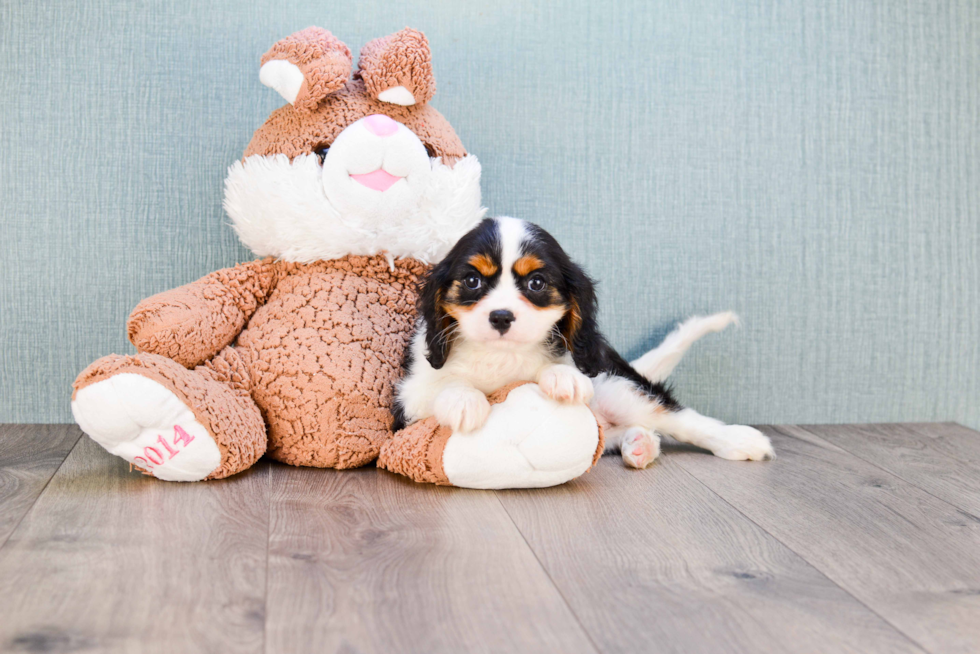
{"x": 856, "y": 539}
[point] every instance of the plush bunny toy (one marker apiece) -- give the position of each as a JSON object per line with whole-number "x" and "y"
{"x": 349, "y": 192}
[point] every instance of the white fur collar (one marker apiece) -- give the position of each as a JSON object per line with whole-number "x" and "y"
{"x": 279, "y": 208}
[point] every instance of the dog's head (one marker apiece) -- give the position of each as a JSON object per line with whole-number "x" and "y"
{"x": 353, "y": 165}
{"x": 509, "y": 285}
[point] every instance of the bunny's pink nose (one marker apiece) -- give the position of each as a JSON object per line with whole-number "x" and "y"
{"x": 381, "y": 125}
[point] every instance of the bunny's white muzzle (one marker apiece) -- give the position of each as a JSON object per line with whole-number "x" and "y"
{"x": 377, "y": 190}
{"x": 376, "y": 166}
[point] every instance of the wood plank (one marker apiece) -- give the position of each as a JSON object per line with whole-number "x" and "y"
{"x": 29, "y": 456}
{"x": 910, "y": 557}
{"x": 113, "y": 561}
{"x": 941, "y": 458}
{"x": 653, "y": 561}
{"x": 366, "y": 561}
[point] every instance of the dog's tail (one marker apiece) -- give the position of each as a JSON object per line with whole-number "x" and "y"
{"x": 657, "y": 364}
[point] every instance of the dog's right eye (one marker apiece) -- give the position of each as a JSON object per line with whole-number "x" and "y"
{"x": 472, "y": 282}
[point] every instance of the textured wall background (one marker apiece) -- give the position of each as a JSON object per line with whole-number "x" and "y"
{"x": 812, "y": 164}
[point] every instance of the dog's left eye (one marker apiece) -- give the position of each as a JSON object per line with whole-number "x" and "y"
{"x": 536, "y": 284}
{"x": 472, "y": 282}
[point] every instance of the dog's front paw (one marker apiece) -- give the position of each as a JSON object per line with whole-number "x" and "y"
{"x": 743, "y": 443}
{"x": 462, "y": 408}
{"x": 566, "y": 384}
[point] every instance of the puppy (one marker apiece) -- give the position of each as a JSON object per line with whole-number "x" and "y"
{"x": 507, "y": 304}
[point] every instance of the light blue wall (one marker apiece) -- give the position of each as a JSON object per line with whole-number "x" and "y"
{"x": 812, "y": 164}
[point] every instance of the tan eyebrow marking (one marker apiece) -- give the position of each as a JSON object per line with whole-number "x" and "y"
{"x": 527, "y": 265}
{"x": 484, "y": 264}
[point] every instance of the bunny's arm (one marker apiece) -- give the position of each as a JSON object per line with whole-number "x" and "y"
{"x": 192, "y": 323}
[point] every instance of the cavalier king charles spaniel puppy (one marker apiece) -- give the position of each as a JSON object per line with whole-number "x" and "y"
{"x": 507, "y": 304}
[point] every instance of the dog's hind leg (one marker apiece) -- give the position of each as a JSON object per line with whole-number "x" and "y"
{"x": 638, "y": 445}
{"x": 625, "y": 413}
{"x": 733, "y": 442}
{"x": 657, "y": 364}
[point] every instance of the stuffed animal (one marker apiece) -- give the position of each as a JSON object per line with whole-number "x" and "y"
{"x": 347, "y": 193}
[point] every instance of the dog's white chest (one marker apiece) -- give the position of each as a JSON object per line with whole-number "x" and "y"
{"x": 488, "y": 369}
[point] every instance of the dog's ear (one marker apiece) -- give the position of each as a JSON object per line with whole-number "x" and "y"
{"x": 306, "y": 67}
{"x": 579, "y": 326}
{"x": 398, "y": 69}
{"x": 438, "y": 324}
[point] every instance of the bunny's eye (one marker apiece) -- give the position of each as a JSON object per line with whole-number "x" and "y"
{"x": 321, "y": 153}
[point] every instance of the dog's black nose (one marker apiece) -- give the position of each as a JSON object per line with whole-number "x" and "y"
{"x": 501, "y": 319}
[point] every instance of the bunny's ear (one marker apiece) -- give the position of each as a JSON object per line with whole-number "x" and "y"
{"x": 306, "y": 66}
{"x": 398, "y": 69}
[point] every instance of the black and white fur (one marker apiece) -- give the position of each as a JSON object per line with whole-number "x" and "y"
{"x": 507, "y": 304}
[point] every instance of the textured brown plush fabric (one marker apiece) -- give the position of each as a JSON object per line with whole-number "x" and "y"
{"x": 402, "y": 59}
{"x": 600, "y": 448}
{"x": 319, "y": 357}
{"x": 292, "y": 132}
{"x": 227, "y": 412}
{"x": 416, "y": 451}
{"x": 399, "y": 59}
{"x": 322, "y": 58}
{"x": 311, "y": 350}
{"x": 191, "y": 324}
